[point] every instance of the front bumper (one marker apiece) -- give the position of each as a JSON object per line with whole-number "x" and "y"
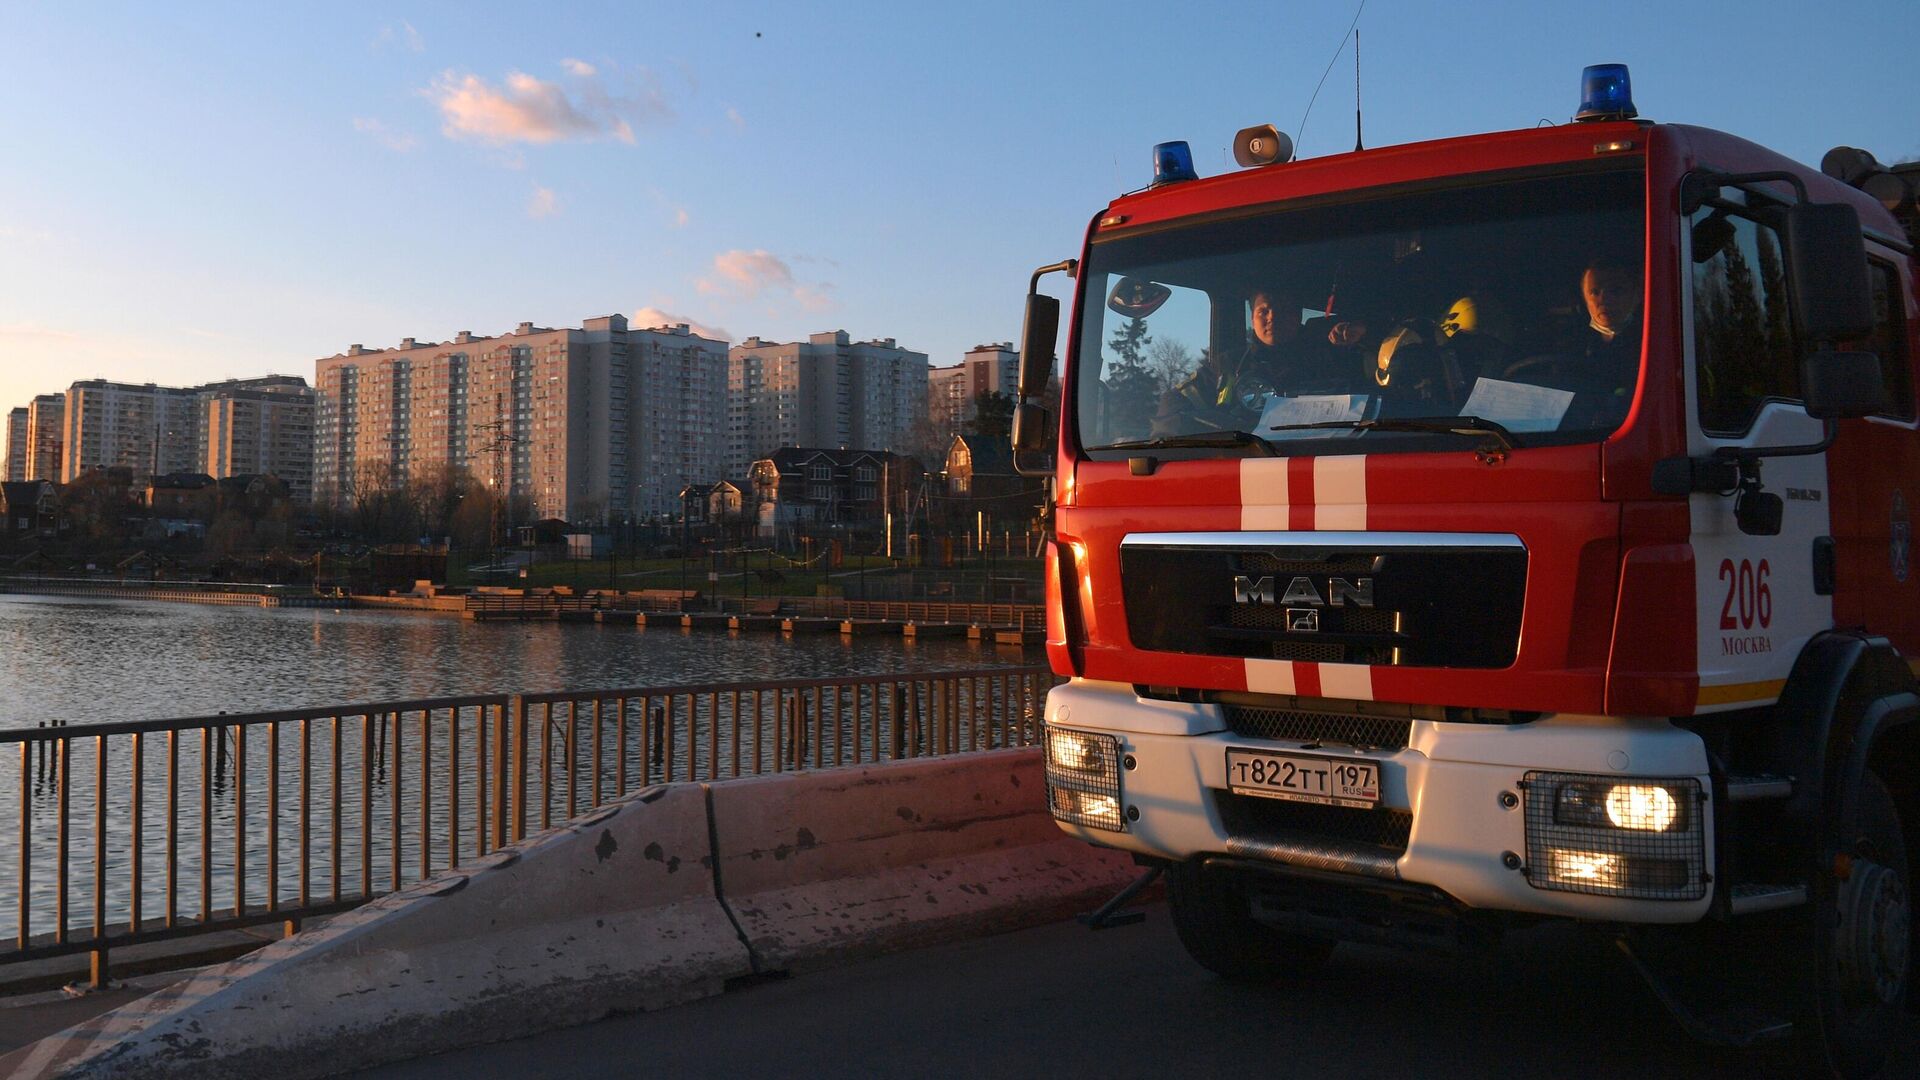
{"x": 1462, "y": 784}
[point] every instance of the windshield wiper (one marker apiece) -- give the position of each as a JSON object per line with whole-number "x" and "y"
{"x": 1200, "y": 441}
{"x": 1454, "y": 425}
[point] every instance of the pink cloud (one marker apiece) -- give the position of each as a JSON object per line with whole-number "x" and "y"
{"x": 746, "y": 273}
{"x": 533, "y": 110}
{"x": 544, "y": 203}
{"x": 650, "y": 317}
{"x": 398, "y": 141}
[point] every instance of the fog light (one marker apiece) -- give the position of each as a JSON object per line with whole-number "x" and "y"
{"x": 1632, "y": 806}
{"x": 1083, "y": 778}
{"x": 1584, "y": 867}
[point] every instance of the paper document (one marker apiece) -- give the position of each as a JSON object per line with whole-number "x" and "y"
{"x": 1517, "y": 406}
{"x": 1310, "y": 409}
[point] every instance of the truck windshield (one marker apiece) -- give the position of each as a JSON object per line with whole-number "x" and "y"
{"x": 1315, "y": 328}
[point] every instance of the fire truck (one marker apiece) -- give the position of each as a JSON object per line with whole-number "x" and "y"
{"x": 1455, "y": 536}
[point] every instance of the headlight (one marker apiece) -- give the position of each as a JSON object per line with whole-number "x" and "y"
{"x": 1638, "y": 838}
{"x": 1083, "y": 778}
{"x": 1076, "y": 750}
{"x": 1635, "y": 806}
{"x": 1600, "y": 804}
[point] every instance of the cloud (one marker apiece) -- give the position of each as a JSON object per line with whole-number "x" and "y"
{"x": 746, "y": 273}
{"x": 733, "y": 117}
{"x": 681, "y": 217}
{"x": 648, "y": 317}
{"x": 405, "y": 37}
{"x": 397, "y": 141}
{"x": 544, "y": 203}
{"x": 814, "y": 297}
{"x": 530, "y": 109}
{"x": 35, "y": 235}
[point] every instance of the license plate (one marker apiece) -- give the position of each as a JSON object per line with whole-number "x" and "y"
{"x": 1313, "y": 778}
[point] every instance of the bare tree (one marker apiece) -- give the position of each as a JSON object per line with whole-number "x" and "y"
{"x": 1170, "y": 362}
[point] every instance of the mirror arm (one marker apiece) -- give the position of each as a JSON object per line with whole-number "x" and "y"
{"x": 1703, "y": 185}
{"x": 1071, "y": 266}
{"x": 1729, "y": 467}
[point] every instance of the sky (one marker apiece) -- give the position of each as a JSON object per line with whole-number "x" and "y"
{"x": 197, "y": 191}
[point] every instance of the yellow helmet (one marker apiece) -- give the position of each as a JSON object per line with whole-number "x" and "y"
{"x": 1477, "y": 315}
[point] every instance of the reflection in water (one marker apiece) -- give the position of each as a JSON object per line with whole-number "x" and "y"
{"x": 82, "y": 660}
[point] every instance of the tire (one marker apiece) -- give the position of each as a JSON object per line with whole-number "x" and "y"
{"x": 1211, "y": 915}
{"x": 1856, "y": 1007}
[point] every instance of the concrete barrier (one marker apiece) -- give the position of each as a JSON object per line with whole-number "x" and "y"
{"x": 827, "y": 865}
{"x": 658, "y": 899}
{"x": 613, "y": 912}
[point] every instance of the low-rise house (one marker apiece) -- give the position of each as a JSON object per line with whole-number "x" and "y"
{"x": 27, "y": 507}
{"x": 185, "y": 497}
{"x": 800, "y": 485}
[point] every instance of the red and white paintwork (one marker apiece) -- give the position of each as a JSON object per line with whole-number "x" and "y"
{"x": 1628, "y": 590}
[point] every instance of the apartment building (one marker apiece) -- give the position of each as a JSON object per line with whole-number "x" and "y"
{"x": 680, "y": 414}
{"x": 951, "y": 391}
{"x": 590, "y": 424}
{"x": 46, "y": 437}
{"x": 231, "y": 428}
{"x": 149, "y": 429}
{"x": 16, "y": 470}
{"x": 826, "y": 391}
{"x": 261, "y": 430}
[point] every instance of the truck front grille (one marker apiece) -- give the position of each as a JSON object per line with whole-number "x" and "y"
{"x": 1385, "y": 828}
{"x": 1307, "y": 726}
{"x": 1442, "y": 600}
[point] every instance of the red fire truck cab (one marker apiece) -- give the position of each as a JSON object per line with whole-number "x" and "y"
{"x": 1457, "y": 534}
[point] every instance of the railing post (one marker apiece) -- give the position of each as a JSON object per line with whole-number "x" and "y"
{"x": 502, "y": 764}
{"x": 519, "y": 779}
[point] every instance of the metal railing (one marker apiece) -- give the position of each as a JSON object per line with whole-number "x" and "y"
{"x": 197, "y": 825}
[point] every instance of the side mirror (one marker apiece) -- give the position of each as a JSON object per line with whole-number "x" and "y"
{"x": 1036, "y": 343}
{"x": 1843, "y": 385}
{"x": 1827, "y": 263}
{"x": 1032, "y": 427}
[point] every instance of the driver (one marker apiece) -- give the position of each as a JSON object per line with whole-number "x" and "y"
{"x": 1604, "y": 354}
{"x": 1611, "y": 289}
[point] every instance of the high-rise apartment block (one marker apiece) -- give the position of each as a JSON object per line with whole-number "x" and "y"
{"x": 16, "y": 470}
{"x": 952, "y": 391}
{"x": 826, "y": 391}
{"x": 594, "y": 424}
{"x": 231, "y": 428}
{"x": 46, "y": 437}
{"x": 259, "y": 427}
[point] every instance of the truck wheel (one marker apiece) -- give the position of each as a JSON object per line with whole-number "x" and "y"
{"x": 1211, "y": 915}
{"x": 1862, "y": 946}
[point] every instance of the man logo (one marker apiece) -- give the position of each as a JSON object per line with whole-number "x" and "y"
{"x": 1301, "y": 590}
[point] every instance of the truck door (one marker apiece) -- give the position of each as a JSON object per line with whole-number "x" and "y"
{"x": 1875, "y": 464}
{"x": 1756, "y": 598}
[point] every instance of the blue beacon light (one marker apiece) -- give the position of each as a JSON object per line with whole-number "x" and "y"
{"x": 1606, "y": 93}
{"x": 1172, "y": 162}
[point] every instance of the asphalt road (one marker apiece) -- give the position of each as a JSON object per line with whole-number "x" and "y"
{"x": 1060, "y": 1001}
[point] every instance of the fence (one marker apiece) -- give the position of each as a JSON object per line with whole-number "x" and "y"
{"x": 216, "y": 823}
{"x": 1019, "y": 616}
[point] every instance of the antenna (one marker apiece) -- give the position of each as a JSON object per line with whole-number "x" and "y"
{"x": 1357, "y": 144}
{"x": 1302, "y": 130}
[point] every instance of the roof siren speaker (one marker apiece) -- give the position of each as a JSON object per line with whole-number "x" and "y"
{"x": 1262, "y": 144}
